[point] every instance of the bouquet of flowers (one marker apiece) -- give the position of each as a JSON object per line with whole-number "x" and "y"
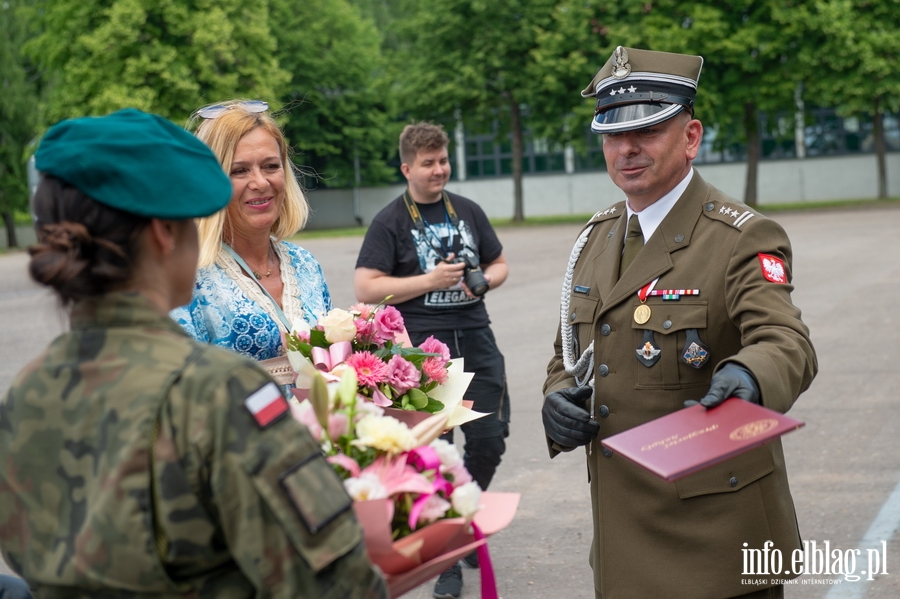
{"x": 413, "y": 495}
{"x": 372, "y": 342}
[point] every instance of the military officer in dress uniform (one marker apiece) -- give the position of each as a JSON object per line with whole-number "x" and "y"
{"x": 676, "y": 294}
{"x": 136, "y": 462}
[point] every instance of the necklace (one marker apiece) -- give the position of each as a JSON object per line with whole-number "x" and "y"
{"x": 257, "y": 274}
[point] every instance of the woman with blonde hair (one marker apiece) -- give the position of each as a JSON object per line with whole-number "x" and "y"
{"x": 252, "y": 284}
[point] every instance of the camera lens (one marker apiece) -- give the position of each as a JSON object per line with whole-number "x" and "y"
{"x": 476, "y": 282}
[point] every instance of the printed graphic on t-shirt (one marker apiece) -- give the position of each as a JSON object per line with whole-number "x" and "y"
{"x": 428, "y": 249}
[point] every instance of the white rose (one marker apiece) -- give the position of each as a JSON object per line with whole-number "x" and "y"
{"x": 338, "y": 326}
{"x": 466, "y": 499}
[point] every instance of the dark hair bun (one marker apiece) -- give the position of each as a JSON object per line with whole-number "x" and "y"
{"x": 84, "y": 248}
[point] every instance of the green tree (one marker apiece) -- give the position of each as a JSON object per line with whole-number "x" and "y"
{"x": 856, "y": 59}
{"x": 472, "y": 56}
{"x": 163, "y": 56}
{"x": 339, "y": 99}
{"x": 18, "y": 114}
{"x": 749, "y": 49}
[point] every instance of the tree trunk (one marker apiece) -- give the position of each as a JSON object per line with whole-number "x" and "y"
{"x": 515, "y": 125}
{"x": 751, "y": 124}
{"x": 880, "y": 149}
{"x": 10, "y": 223}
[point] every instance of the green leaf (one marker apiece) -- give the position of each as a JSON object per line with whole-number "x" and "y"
{"x": 417, "y": 399}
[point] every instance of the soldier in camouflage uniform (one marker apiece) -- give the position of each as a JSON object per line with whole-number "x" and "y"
{"x": 135, "y": 461}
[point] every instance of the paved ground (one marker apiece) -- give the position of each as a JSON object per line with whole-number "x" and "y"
{"x": 844, "y": 464}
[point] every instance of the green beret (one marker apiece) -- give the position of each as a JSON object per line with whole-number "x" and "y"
{"x": 137, "y": 162}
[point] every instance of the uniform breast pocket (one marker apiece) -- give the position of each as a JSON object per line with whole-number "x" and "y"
{"x": 677, "y": 330}
{"x": 582, "y": 309}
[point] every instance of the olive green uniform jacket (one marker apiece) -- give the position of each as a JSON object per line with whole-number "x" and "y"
{"x": 685, "y": 539}
{"x": 132, "y": 467}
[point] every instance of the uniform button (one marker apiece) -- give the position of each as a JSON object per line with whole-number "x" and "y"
{"x": 604, "y": 411}
{"x": 679, "y": 238}
{"x": 605, "y": 329}
{"x": 709, "y": 207}
{"x": 667, "y": 324}
{"x": 572, "y": 317}
{"x": 607, "y": 452}
{"x": 603, "y": 370}
{"x": 733, "y": 481}
{"x": 611, "y": 233}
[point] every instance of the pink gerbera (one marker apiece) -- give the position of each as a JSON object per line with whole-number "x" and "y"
{"x": 402, "y": 374}
{"x": 433, "y": 346}
{"x": 435, "y": 370}
{"x": 370, "y": 370}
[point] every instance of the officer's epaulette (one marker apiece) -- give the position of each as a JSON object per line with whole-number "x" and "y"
{"x": 734, "y": 214}
{"x": 614, "y": 211}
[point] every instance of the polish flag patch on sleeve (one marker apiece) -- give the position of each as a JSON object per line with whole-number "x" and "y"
{"x": 772, "y": 268}
{"x": 267, "y": 405}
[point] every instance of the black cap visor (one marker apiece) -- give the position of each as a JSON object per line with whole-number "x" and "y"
{"x": 633, "y": 116}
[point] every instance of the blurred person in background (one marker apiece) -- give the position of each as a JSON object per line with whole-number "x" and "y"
{"x": 436, "y": 254}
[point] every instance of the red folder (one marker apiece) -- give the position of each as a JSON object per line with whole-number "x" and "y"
{"x": 695, "y": 438}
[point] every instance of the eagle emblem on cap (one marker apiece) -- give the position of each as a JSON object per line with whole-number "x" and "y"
{"x": 621, "y": 69}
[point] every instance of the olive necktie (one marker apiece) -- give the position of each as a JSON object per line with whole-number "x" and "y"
{"x": 634, "y": 241}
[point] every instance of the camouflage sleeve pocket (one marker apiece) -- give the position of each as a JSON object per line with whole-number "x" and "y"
{"x": 310, "y": 503}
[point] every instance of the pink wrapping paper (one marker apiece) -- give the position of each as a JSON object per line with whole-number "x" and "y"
{"x": 413, "y": 560}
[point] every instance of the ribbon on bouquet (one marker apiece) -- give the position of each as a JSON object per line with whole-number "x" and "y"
{"x": 422, "y": 459}
{"x": 488, "y": 581}
{"x": 327, "y": 359}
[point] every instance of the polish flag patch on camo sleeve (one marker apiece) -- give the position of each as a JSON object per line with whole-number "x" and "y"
{"x": 772, "y": 268}
{"x": 267, "y": 405}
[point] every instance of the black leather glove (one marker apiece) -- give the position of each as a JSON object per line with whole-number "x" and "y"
{"x": 565, "y": 419}
{"x": 733, "y": 380}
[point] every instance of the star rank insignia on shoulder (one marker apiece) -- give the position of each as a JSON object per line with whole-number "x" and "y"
{"x": 736, "y": 215}
{"x": 614, "y": 211}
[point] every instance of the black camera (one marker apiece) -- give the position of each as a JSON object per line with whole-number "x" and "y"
{"x": 473, "y": 276}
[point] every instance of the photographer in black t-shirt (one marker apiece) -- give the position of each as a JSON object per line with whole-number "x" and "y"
{"x": 421, "y": 249}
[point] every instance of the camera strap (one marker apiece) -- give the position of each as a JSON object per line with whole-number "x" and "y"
{"x": 419, "y": 222}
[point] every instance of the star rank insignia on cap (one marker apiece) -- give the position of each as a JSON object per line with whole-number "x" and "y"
{"x": 267, "y": 405}
{"x": 772, "y": 268}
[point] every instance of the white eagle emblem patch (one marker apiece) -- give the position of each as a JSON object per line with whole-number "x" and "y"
{"x": 772, "y": 268}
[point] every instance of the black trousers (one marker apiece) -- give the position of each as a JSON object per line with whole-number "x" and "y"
{"x": 485, "y": 437}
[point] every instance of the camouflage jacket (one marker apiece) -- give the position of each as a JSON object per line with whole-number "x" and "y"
{"x": 135, "y": 462}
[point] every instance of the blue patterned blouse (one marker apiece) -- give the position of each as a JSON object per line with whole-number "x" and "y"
{"x": 230, "y": 310}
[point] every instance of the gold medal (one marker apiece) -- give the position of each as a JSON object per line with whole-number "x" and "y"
{"x": 642, "y": 314}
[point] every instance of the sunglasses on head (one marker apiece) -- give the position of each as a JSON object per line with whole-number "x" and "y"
{"x": 211, "y": 112}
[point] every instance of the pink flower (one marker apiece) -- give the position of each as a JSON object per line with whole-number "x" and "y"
{"x": 402, "y": 374}
{"x": 388, "y": 322}
{"x": 370, "y": 370}
{"x": 364, "y": 310}
{"x": 434, "y": 346}
{"x": 434, "y": 507}
{"x": 365, "y": 331}
{"x": 435, "y": 370}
